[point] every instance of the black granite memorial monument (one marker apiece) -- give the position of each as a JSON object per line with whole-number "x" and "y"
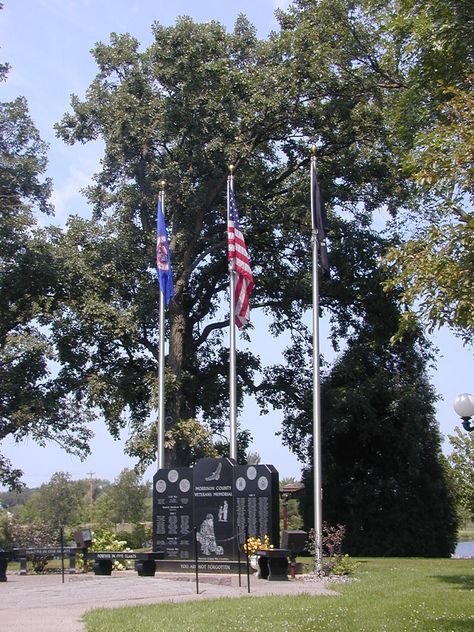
{"x": 215, "y": 503}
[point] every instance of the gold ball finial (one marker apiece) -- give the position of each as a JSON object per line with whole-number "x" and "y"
{"x": 231, "y": 168}
{"x": 313, "y": 149}
{"x": 162, "y": 184}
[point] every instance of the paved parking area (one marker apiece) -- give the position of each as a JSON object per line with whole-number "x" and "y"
{"x": 42, "y": 603}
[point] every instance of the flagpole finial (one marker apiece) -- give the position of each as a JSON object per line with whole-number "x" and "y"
{"x": 313, "y": 149}
{"x": 162, "y": 184}
{"x": 231, "y": 169}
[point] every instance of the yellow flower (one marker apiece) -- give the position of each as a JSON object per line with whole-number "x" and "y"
{"x": 253, "y": 544}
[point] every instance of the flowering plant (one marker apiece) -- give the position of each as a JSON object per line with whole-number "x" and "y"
{"x": 254, "y": 544}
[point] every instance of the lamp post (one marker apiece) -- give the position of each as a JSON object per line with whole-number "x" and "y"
{"x": 464, "y": 407}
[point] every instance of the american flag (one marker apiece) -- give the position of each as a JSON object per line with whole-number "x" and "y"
{"x": 239, "y": 259}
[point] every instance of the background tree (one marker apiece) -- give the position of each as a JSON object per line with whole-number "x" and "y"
{"x": 461, "y": 461}
{"x": 196, "y": 100}
{"x": 61, "y": 501}
{"x": 433, "y": 119}
{"x": 125, "y": 501}
{"x": 6, "y": 529}
{"x": 339, "y": 74}
{"x": 384, "y": 477}
{"x": 12, "y": 498}
{"x": 32, "y": 402}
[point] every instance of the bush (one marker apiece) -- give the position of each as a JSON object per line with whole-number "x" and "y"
{"x": 6, "y": 530}
{"x": 35, "y": 535}
{"x": 336, "y": 563}
{"x": 339, "y": 565}
{"x": 138, "y": 538}
{"x": 104, "y": 540}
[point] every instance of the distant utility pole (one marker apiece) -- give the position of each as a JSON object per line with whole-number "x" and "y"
{"x": 91, "y": 495}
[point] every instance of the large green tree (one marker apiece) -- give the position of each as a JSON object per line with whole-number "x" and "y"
{"x": 384, "y": 477}
{"x": 181, "y": 111}
{"x": 433, "y": 120}
{"x": 124, "y": 501}
{"x": 32, "y": 401}
{"x": 60, "y": 501}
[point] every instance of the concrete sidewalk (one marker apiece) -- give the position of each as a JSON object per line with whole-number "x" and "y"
{"x": 42, "y": 603}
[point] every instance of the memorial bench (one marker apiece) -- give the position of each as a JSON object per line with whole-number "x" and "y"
{"x": 145, "y": 563}
{"x": 5, "y": 557}
{"x": 272, "y": 564}
{"x": 22, "y": 555}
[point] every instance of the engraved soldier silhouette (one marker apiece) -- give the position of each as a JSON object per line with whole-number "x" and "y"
{"x": 207, "y": 538}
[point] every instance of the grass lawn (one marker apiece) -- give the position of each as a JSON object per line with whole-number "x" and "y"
{"x": 394, "y": 595}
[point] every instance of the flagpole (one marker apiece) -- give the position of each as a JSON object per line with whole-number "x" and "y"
{"x": 232, "y": 352}
{"x": 316, "y": 383}
{"x": 161, "y": 367}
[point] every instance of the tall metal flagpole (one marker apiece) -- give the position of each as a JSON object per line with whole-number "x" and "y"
{"x": 232, "y": 353}
{"x": 318, "y": 557}
{"x": 161, "y": 369}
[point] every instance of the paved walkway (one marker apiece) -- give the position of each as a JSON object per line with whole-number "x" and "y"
{"x": 42, "y": 603}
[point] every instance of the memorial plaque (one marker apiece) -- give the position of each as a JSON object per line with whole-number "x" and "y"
{"x": 173, "y": 519}
{"x": 256, "y": 501}
{"x": 214, "y": 509}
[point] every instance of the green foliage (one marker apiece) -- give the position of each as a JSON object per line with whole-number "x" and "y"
{"x": 340, "y": 565}
{"x": 461, "y": 461}
{"x": 384, "y": 92}
{"x": 12, "y": 498}
{"x": 138, "y": 538}
{"x": 194, "y": 101}
{"x": 6, "y": 530}
{"x": 193, "y": 437}
{"x": 103, "y": 540}
{"x": 61, "y": 501}
{"x": 334, "y": 562}
{"x": 383, "y": 473}
{"x": 295, "y": 519}
{"x": 32, "y": 403}
{"x": 123, "y": 501}
{"x": 35, "y": 535}
{"x": 383, "y": 470}
{"x": 434, "y": 267}
{"x": 436, "y": 272}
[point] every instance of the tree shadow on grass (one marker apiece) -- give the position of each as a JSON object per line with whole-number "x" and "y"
{"x": 462, "y": 582}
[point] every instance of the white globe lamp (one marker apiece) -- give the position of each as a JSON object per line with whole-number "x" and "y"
{"x": 464, "y": 407}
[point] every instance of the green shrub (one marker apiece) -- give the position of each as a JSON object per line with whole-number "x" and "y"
{"x": 340, "y": 565}
{"x": 103, "y": 540}
{"x": 335, "y": 562}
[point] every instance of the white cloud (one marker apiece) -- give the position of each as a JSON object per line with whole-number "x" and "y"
{"x": 67, "y": 198}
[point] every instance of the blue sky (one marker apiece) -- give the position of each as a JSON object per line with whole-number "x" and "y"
{"x": 48, "y": 43}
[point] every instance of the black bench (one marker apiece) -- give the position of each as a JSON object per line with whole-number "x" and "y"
{"x": 145, "y": 564}
{"x": 22, "y": 555}
{"x": 5, "y": 557}
{"x": 273, "y": 564}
